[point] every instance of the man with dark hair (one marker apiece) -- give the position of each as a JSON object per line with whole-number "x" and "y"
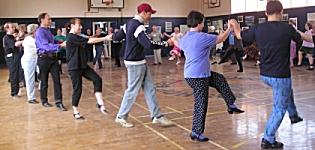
{"x": 138, "y": 71}
{"x": 48, "y": 61}
{"x": 275, "y": 66}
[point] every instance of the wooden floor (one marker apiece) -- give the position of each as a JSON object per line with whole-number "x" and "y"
{"x": 27, "y": 126}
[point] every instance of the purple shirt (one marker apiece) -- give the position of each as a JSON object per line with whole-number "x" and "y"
{"x": 44, "y": 41}
{"x": 196, "y": 46}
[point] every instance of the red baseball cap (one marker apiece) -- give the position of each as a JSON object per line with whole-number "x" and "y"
{"x": 145, "y": 7}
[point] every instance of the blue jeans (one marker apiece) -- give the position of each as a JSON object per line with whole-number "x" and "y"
{"x": 29, "y": 67}
{"x": 139, "y": 76}
{"x": 283, "y": 100}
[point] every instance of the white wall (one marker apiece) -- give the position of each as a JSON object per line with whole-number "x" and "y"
{"x": 78, "y": 8}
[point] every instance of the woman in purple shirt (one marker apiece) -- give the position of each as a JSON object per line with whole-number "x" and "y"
{"x": 198, "y": 74}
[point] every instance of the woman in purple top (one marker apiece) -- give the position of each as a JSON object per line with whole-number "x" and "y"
{"x": 196, "y": 46}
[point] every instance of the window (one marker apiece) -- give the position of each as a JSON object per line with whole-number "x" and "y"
{"x": 241, "y": 6}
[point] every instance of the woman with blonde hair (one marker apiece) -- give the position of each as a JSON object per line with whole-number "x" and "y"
{"x": 29, "y": 61}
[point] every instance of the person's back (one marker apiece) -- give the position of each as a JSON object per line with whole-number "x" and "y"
{"x": 273, "y": 40}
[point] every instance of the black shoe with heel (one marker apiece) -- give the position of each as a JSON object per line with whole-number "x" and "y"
{"x": 198, "y": 137}
{"x": 235, "y": 110}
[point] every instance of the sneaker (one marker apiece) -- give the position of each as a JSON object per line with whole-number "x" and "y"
{"x": 163, "y": 121}
{"x": 178, "y": 62}
{"x": 124, "y": 123}
{"x": 266, "y": 145}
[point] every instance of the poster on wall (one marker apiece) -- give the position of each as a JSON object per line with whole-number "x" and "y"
{"x": 310, "y": 16}
{"x": 261, "y": 20}
{"x": 240, "y": 18}
{"x": 249, "y": 20}
{"x": 159, "y": 29}
{"x": 168, "y": 27}
{"x": 183, "y": 29}
{"x": 53, "y": 25}
{"x": 294, "y": 21}
{"x": 285, "y": 17}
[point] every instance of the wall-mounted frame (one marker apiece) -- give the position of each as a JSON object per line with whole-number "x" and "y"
{"x": 213, "y": 3}
{"x": 240, "y": 18}
{"x": 261, "y": 20}
{"x": 249, "y": 20}
{"x": 285, "y": 17}
{"x": 295, "y": 21}
{"x": 104, "y": 4}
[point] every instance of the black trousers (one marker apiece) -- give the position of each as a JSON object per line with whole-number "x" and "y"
{"x": 98, "y": 57}
{"x": 14, "y": 65}
{"x": 49, "y": 65}
{"x": 238, "y": 55}
{"x": 76, "y": 78}
{"x": 200, "y": 88}
{"x": 116, "y": 49}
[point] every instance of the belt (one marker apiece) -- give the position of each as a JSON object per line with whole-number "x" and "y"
{"x": 49, "y": 55}
{"x": 9, "y": 55}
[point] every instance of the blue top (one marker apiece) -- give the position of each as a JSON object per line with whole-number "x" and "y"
{"x": 231, "y": 39}
{"x": 44, "y": 41}
{"x": 196, "y": 46}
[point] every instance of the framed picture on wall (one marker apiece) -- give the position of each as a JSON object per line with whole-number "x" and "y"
{"x": 53, "y": 25}
{"x": 168, "y": 27}
{"x": 311, "y": 16}
{"x": 213, "y": 3}
{"x": 159, "y": 29}
{"x": 249, "y": 20}
{"x": 285, "y": 17}
{"x": 240, "y": 18}
{"x": 261, "y": 20}
{"x": 294, "y": 21}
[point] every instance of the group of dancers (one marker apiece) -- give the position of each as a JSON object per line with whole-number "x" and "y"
{"x": 274, "y": 65}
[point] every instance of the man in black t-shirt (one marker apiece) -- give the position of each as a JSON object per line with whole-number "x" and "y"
{"x": 273, "y": 39}
{"x": 77, "y": 59}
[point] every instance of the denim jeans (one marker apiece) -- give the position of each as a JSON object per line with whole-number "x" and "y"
{"x": 29, "y": 67}
{"x": 283, "y": 100}
{"x": 139, "y": 76}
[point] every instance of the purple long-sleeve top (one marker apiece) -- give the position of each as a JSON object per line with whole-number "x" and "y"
{"x": 44, "y": 41}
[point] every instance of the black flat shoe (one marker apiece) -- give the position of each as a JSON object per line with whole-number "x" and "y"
{"x": 296, "y": 119}
{"x": 239, "y": 70}
{"x": 101, "y": 108}
{"x": 61, "y": 107}
{"x": 198, "y": 137}
{"x": 266, "y": 145}
{"x": 46, "y": 104}
{"x": 234, "y": 110}
{"x": 78, "y": 116}
{"x": 33, "y": 101}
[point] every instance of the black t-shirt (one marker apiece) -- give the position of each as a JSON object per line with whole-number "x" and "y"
{"x": 76, "y": 53}
{"x": 273, "y": 40}
{"x": 99, "y": 36}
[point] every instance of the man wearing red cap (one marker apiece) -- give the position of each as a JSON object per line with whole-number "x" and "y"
{"x": 138, "y": 71}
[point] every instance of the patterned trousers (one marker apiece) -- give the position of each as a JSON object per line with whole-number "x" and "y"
{"x": 200, "y": 88}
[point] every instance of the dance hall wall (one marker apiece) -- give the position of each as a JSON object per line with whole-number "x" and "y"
{"x": 79, "y": 8}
